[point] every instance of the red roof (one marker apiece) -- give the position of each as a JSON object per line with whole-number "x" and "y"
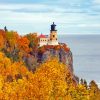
{"x": 42, "y": 36}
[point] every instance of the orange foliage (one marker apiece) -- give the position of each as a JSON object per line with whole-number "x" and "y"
{"x": 2, "y": 38}
{"x": 17, "y": 83}
{"x": 66, "y": 48}
{"x": 9, "y": 68}
{"x": 57, "y": 47}
{"x": 23, "y": 44}
{"x": 1, "y": 41}
{"x": 51, "y": 81}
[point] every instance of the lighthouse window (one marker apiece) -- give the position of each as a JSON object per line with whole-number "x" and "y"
{"x": 53, "y": 35}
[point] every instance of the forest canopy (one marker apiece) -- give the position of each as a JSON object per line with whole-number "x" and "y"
{"x": 51, "y": 80}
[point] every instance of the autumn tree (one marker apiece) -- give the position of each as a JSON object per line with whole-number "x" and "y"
{"x": 23, "y": 45}
{"x": 11, "y": 49}
{"x": 12, "y": 38}
{"x": 32, "y": 37}
{"x": 48, "y": 82}
{"x": 2, "y": 39}
{"x": 94, "y": 91}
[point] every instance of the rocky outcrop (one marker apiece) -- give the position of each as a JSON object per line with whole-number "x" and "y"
{"x": 47, "y": 52}
{"x": 63, "y": 56}
{"x": 61, "y": 52}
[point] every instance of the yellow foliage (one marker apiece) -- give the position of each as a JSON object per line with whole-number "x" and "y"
{"x": 50, "y": 81}
{"x": 12, "y": 37}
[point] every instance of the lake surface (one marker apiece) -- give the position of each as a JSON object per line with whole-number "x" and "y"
{"x": 86, "y": 55}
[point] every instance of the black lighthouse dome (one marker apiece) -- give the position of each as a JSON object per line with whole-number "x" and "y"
{"x": 53, "y": 27}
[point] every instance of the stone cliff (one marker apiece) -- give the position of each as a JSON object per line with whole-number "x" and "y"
{"x": 44, "y": 53}
{"x": 61, "y": 54}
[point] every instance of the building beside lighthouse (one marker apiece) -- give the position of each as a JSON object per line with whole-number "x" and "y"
{"x": 52, "y": 39}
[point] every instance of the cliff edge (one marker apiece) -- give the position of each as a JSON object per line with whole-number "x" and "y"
{"x": 62, "y": 52}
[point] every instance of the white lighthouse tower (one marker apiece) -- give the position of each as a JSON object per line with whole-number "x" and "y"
{"x": 53, "y": 40}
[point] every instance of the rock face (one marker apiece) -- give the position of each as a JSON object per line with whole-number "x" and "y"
{"x": 63, "y": 56}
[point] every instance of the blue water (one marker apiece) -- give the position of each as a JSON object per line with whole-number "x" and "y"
{"x": 86, "y": 55}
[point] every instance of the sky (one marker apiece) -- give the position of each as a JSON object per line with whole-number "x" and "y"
{"x": 70, "y": 16}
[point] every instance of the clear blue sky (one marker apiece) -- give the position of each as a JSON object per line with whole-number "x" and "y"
{"x": 71, "y": 16}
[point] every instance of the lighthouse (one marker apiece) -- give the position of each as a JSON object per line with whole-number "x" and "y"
{"x": 53, "y": 40}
